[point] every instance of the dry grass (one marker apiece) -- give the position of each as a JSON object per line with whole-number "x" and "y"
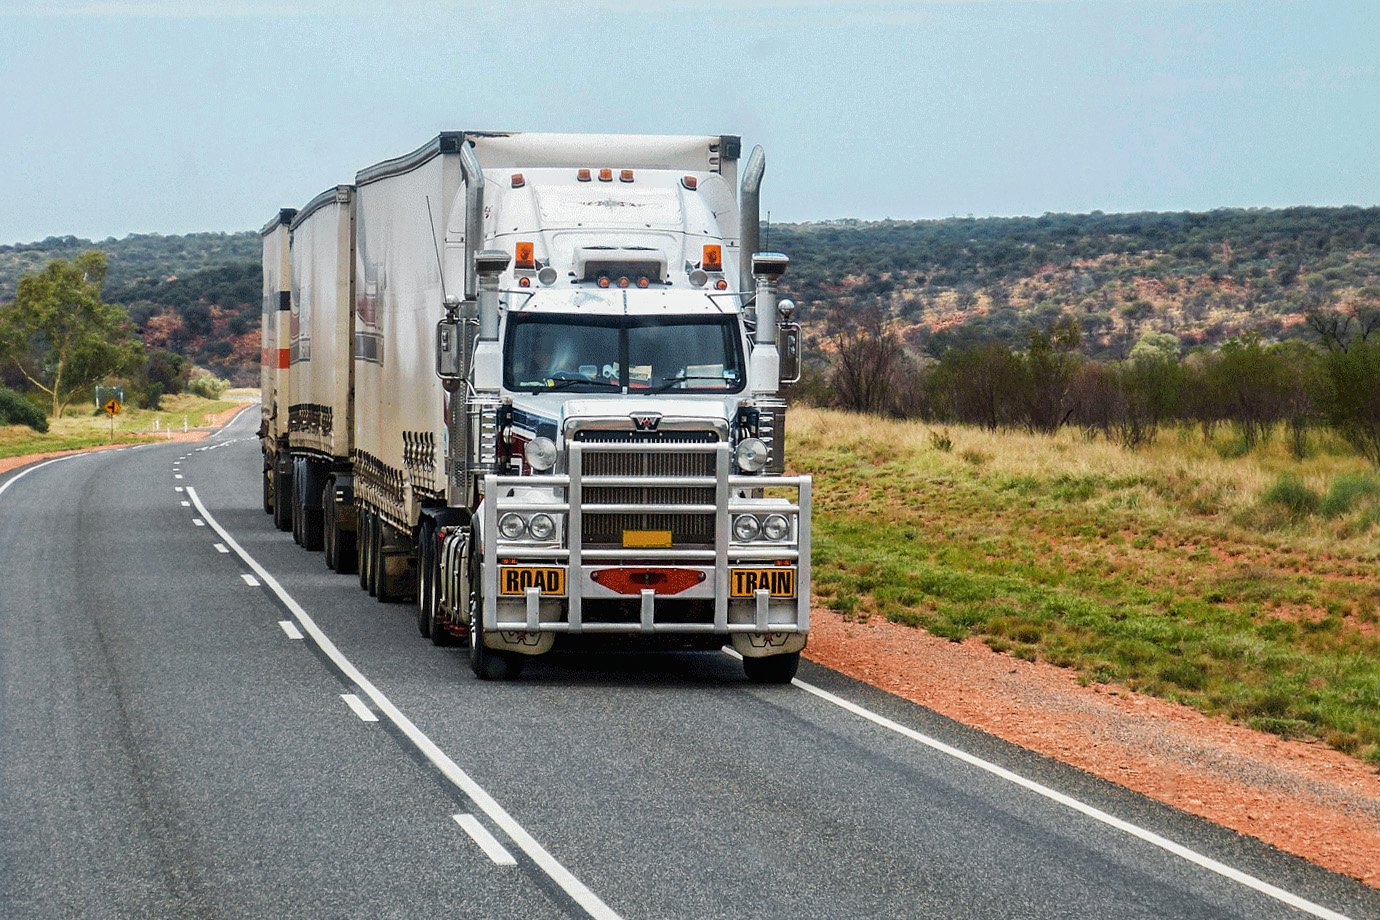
{"x": 1177, "y": 568}
{"x": 82, "y": 428}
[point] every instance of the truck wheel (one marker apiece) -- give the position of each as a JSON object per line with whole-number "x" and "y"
{"x": 282, "y": 501}
{"x": 296, "y": 505}
{"x": 346, "y": 551}
{"x": 313, "y": 525}
{"x": 775, "y": 669}
{"x": 268, "y": 493}
{"x": 486, "y": 663}
{"x": 426, "y": 536}
{"x": 384, "y": 589}
{"x": 329, "y": 535}
{"x": 366, "y": 522}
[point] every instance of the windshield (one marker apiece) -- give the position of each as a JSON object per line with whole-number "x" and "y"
{"x": 605, "y": 354}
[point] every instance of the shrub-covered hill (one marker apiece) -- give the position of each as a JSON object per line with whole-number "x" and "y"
{"x": 1205, "y": 277}
{"x": 196, "y": 294}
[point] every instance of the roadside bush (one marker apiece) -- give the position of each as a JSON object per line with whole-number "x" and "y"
{"x": 1346, "y": 492}
{"x": 16, "y": 410}
{"x": 207, "y": 386}
{"x": 1290, "y": 493}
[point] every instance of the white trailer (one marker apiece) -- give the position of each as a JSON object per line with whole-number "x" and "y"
{"x": 321, "y": 414}
{"x": 274, "y": 352}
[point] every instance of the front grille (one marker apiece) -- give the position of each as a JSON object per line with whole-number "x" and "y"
{"x": 685, "y": 528}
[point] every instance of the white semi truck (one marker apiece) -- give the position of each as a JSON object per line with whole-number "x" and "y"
{"x": 564, "y": 416}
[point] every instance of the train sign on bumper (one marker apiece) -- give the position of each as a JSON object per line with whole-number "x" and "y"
{"x": 779, "y": 580}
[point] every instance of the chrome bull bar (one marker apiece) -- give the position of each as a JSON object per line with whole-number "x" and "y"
{"x": 716, "y": 560}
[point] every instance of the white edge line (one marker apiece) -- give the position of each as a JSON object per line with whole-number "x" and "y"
{"x": 290, "y": 628}
{"x": 356, "y": 704}
{"x": 250, "y": 580}
{"x": 486, "y": 841}
{"x": 1206, "y": 862}
{"x": 562, "y": 876}
{"x": 38, "y": 466}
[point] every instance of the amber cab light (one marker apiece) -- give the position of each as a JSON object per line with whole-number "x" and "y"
{"x": 713, "y": 258}
{"x": 690, "y": 182}
{"x": 582, "y": 175}
{"x": 721, "y": 285}
{"x": 623, "y": 282}
{"x": 603, "y": 280}
{"x": 525, "y": 255}
{"x": 605, "y": 175}
{"x": 643, "y": 282}
{"x": 524, "y": 281}
{"x": 518, "y": 181}
{"x": 625, "y": 176}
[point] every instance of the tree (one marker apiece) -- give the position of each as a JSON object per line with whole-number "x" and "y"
{"x": 59, "y": 334}
{"x": 869, "y": 367}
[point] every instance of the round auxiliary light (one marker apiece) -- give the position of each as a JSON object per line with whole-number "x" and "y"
{"x": 511, "y": 526}
{"x": 699, "y": 277}
{"x": 775, "y": 527}
{"x": 751, "y": 454}
{"x": 540, "y": 454}
{"x": 541, "y": 527}
{"x": 746, "y": 528}
{"x": 547, "y": 276}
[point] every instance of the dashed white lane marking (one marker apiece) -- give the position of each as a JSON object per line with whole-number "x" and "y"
{"x": 178, "y": 476}
{"x": 480, "y": 835}
{"x": 178, "y": 489}
{"x": 288, "y": 627}
{"x": 590, "y": 902}
{"x": 220, "y": 548}
{"x": 198, "y": 522}
{"x": 358, "y": 706}
{"x": 186, "y": 504}
{"x": 250, "y": 580}
{"x": 1150, "y": 837}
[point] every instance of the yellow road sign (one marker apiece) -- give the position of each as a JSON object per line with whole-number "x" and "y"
{"x": 112, "y": 408}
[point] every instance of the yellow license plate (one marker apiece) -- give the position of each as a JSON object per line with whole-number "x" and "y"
{"x": 646, "y": 539}
{"x": 779, "y": 580}
{"x": 518, "y": 578}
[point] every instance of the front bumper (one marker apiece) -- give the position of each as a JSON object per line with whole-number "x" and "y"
{"x": 701, "y": 605}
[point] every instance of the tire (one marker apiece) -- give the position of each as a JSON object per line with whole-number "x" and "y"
{"x": 330, "y": 535}
{"x": 313, "y": 527}
{"x": 486, "y": 663}
{"x": 366, "y": 522}
{"x": 268, "y": 493}
{"x": 346, "y": 551}
{"x": 282, "y": 501}
{"x": 381, "y": 586}
{"x": 426, "y": 580}
{"x": 296, "y": 505}
{"x": 774, "y": 669}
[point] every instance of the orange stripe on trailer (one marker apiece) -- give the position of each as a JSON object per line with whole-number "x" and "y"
{"x": 284, "y": 358}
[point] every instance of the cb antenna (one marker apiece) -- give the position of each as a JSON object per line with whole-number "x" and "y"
{"x": 766, "y": 243}
{"x": 431, "y": 222}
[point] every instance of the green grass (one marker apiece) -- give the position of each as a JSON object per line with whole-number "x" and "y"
{"x": 81, "y": 429}
{"x": 1226, "y": 584}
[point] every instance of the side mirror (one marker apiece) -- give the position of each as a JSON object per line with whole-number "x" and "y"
{"x": 448, "y": 357}
{"x": 789, "y": 335}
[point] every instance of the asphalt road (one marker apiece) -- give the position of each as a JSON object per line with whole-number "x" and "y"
{"x": 168, "y": 748}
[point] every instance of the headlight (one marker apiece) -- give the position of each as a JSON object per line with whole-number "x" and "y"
{"x": 775, "y": 527}
{"x": 751, "y": 454}
{"x": 512, "y": 526}
{"x": 746, "y": 528}
{"x": 540, "y": 454}
{"x": 541, "y": 527}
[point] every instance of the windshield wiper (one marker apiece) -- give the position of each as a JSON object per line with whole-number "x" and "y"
{"x": 668, "y": 382}
{"x": 560, "y": 383}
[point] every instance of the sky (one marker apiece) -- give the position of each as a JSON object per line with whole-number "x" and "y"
{"x": 122, "y": 116}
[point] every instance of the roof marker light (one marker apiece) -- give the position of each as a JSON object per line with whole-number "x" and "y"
{"x": 518, "y": 181}
{"x": 582, "y": 175}
{"x": 524, "y": 256}
{"x": 623, "y": 282}
{"x": 605, "y": 175}
{"x": 690, "y": 182}
{"x": 713, "y": 258}
{"x": 603, "y": 280}
{"x": 643, "y": 282}
{"x": 625, "y": 176}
